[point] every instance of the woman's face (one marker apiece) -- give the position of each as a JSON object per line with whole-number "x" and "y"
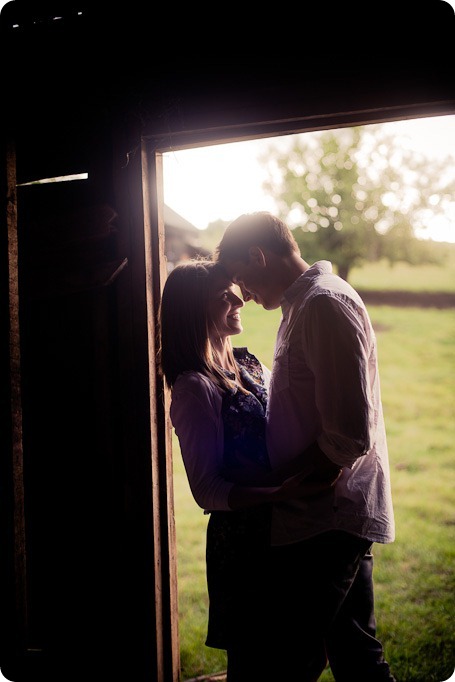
{"x": 224, "y": 309}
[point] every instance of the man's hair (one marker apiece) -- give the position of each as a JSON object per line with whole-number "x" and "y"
{"x": 255, "y": 229}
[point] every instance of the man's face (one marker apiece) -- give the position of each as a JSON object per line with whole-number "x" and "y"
{"x": 254, "y": 281}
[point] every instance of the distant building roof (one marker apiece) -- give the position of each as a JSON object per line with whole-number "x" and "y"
{"x": 175, "y": 220}
{"x": 181, "y": 238}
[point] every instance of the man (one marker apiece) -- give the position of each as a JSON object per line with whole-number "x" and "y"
{"x": 324, "y": 412}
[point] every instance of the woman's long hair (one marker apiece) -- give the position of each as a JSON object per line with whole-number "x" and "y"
{"x": 184, "y": 343}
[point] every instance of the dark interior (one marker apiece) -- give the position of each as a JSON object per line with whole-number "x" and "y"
{"x": 88, "y": 575}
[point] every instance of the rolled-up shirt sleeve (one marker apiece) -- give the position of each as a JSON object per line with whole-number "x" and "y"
{"x": 339, "y": 342}
{"x": 196, "y": 416}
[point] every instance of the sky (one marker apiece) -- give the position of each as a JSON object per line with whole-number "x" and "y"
{"x": 223, "y": 181}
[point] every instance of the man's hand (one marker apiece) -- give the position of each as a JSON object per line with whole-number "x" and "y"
{"x": 318, "y": 476}
{"x": 325, "y": 471}
{"x": 301, "y": 486}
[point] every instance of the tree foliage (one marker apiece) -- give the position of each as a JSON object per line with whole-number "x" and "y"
{"x": 358, "y": 194}
{"x": 214, "y": 233}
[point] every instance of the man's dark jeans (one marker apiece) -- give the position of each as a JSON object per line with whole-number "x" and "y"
{"x": 323, "y": 606}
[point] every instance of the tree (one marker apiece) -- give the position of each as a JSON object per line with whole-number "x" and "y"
{"x": 214, "y": 233}
{"x": 358, "y": 194}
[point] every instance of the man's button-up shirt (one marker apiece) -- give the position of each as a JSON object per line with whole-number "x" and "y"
{"x": 325, "y": 387}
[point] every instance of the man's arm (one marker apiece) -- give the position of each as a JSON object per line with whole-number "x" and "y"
{"x": 311, "y": 467}
{"x": 311, "y": 474}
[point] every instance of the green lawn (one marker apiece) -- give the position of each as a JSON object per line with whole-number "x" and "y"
{"x": 405, "y": 277}
{"x": 414, "y": 576}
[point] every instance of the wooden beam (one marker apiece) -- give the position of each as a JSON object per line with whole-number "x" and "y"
{"x": 19, "y": 549}
{"x": 166, "y": 598}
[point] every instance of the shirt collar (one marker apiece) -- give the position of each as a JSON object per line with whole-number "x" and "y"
{"x": 304, "y": 282}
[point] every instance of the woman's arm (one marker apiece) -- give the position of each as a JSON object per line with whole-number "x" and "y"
{"x": 311, "y": 463}
{"x": 196, "y": 417}
{"x": 306, "y": 476}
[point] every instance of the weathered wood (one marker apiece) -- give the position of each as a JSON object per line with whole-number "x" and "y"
{"x": 163, "y": 507}
{"x": 20, "y": 558}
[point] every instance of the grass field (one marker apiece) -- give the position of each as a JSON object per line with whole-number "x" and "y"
{"x": 402, "y": 276}
{"x": 414, "y": 576}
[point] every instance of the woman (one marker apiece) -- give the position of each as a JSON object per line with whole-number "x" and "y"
{"x": 218, "y": 406}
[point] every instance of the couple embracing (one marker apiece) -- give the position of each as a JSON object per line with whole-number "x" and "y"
{"x": 290, "y": 462}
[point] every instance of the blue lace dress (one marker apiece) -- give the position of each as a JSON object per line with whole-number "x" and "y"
{"x": 238, "y": 541}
